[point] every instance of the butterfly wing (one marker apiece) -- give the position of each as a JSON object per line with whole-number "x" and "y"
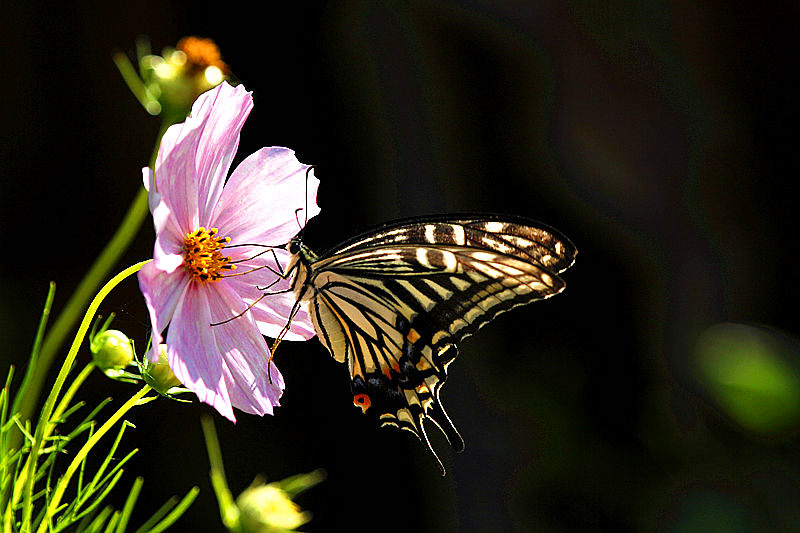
{"x": 393, "y": 303}
{"x": 520, "y": 237}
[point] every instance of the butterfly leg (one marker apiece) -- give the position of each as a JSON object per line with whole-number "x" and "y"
{"x": 279, "y": 338}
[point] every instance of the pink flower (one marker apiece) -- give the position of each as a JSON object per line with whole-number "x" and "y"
{"x": 199, "y": 277}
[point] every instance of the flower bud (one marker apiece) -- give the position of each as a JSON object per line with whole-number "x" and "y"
{"x": 159, "y": 375}
{"x": 111, "y": 350}
{"x": 264, "y": 508}
{"x": 179, "y": 75}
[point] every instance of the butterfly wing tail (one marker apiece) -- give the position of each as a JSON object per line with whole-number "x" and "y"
{"x": 423, "y": 436}
{"x": 440, "y": 418}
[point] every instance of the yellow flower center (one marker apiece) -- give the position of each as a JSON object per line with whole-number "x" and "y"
{"x": 202, "y": 255}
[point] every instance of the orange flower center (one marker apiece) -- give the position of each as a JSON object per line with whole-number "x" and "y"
{"x": 201, "y": 53}
{"x": 202, "y": 255}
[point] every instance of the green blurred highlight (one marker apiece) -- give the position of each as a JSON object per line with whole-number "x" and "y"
{"x": 751, "y": 375}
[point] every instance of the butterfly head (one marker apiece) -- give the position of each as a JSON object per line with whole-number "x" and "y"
{"x": 295, "y": 244}
{"x": 300, "y": 252}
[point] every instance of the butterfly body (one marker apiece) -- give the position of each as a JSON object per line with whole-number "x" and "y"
{"x": 393, "y": 302}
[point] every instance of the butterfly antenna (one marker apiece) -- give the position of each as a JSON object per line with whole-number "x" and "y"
{"x": 303, "y": 225}
{"x": 308, "y": 172}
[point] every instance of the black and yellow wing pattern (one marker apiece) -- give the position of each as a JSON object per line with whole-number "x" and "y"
{"x": 393, "y": 302}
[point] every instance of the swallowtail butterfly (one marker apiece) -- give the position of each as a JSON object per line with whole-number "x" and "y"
{"x": 393, "y": 302}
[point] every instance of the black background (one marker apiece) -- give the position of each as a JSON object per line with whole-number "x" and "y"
{"x": 659, "y": 136}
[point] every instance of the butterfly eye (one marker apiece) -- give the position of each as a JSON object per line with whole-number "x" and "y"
{"x": 294, "y": 246}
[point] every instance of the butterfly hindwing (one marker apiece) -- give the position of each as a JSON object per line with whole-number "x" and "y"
{"x": 393, "y": 303}
{"x": 394, "y": 371}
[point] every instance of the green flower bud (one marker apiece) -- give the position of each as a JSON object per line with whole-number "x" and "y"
{"x": 111, "y": 350}
{"x": 265, "y": 508}
{"x": 168, "y": 84}
{"x": 179, "y": 75}
{"x": 159, "y": 375}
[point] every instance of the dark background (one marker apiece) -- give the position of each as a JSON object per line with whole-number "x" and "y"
{"x": 659, "y": 136}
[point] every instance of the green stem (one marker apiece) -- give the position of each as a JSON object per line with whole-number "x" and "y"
{"x": 227, "y": 508}
{"x": 134, "y": 83}
{"x": 47, "y": 410}
{"x": 21, "y": 481}
{"x": 81, "y": 455}
{"x": 37, "y": 345}
{"x": 73, "y": 388}
{"x": 54, "y": 339}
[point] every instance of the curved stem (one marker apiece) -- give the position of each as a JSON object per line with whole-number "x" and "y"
{"x": 47, "y": 410}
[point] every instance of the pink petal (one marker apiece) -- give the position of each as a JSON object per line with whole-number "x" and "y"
{"x": 272, "y": 312}
{"x": 174, "y": 175}
{"x": 270, "y": 316}
{"x": 168, "y": 253}
{"x": 162, "y": 291}
{"x": 195, "y": 156}
{"x": 149, "y": 181}
{"x": 168, "y": 249}
{"x": 248, "y": 369}
{"x": 226, "y": 110}
{"x": 262, "y": 195}
{"x": 192, "y": 353}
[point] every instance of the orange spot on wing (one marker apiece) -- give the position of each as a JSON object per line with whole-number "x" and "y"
{"x": 362, "y": 401}
{"x": 413, "y": 336}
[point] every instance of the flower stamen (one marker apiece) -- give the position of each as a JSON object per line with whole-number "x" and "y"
{"x": 202, "y": 258}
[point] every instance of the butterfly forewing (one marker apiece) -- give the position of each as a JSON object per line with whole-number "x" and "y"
{"x": 522, "y": 238}
{"x": 393, "y": 303}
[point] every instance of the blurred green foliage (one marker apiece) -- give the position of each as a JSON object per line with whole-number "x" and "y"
{"x": 750, "y": 373}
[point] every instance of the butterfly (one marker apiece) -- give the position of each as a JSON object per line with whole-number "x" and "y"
{"x": 392, "y": 303}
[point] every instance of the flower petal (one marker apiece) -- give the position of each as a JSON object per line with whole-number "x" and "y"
{"x": 192, "y": 354}
{"x": 195, "y": 156}
{"x": 175, "y": 178}
{"x": 262, "y": 196}
{"x": 270, "y": 315}
{"x": 168, "y": 252}
{"x": 162, "y": 291}
{"x": 225, "y": 115}
{"x": 254, "y": 382}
